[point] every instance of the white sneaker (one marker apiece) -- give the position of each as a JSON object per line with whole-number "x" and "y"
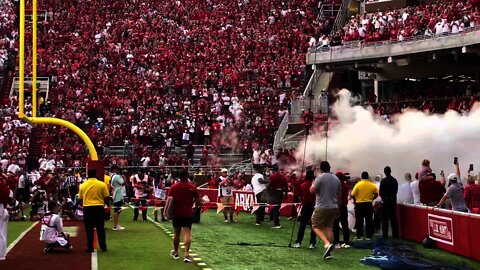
{"x": 312, "y": 246}
{"x": 337, "y": 246}
{"x": 296, "y": 245}
{"x": 345, "y": 246}
{"x": 226, "y": 221}
{"x": 118, "y": 228}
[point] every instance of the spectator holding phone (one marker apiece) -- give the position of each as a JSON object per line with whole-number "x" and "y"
{"x": 455, "y": 191}
{"x": 472, "y": 193}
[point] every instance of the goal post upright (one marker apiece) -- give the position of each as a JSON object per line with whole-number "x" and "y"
{"x": 34, "y": 120}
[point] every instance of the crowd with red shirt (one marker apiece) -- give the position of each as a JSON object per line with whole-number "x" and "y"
{"x": 159, "y": 74}
{"x": 440, "y": 18}
{"x": 8, "y": 32}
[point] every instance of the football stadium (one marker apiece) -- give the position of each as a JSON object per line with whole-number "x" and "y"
{"x": 239, "y": 135}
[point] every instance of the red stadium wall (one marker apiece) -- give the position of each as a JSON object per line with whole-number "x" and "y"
{"x": 453, "y": 231}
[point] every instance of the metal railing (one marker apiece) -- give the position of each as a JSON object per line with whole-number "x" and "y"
{"x": 243, "y": 166}
{"x": 341, "y": 16}
{"x": 311, "y": 82}
{"x": 357, "y": 44}
{"x": 281, "y": 131}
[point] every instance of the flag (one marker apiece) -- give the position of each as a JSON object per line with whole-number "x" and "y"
{"x": 299, "y": 208}
{"x": 255, "y": 208}
{"x": 220, "y": 207}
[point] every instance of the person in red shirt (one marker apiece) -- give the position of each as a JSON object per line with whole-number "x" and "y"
{"x": 343, "y": 218}
{"x": 184, "y": 195}
{"x": 277, "y": 187}
{"x": 431, "y": 190}
{"x": 295, "y": 184}
{"x": 308, "y": 204}
{"x": 471, "y": 194}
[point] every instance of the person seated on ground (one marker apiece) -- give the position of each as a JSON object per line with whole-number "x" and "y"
{"x": 39, "y": 203}
{"x": 454, "y": 192}
{"x": 431, "y": 190}
{"x": 68, "y": 209}
{"x": 51, "y": 231}
{"x": 14, "y": 209}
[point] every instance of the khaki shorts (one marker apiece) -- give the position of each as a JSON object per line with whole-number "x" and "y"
{"x": 226, "y": 200}
{"x": 324, "y": 217}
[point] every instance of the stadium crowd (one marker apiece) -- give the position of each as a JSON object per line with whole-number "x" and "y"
{"x": 8, "y": 31}
{"x": 171, "y": 73}
{"x": 435, "y": 19}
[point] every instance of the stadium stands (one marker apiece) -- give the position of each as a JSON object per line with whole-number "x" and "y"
{"x": 441, "y": 18}
{"x": 171, "y": 72}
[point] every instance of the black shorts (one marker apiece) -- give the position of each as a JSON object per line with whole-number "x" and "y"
{"x": 182, "y": 222}
{"x": 117, "y": 206}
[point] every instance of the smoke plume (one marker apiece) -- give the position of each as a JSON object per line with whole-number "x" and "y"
{"x": 362, "y": 141}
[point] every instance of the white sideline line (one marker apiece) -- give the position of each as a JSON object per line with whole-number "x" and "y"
{"x": 94, "y": 261}
{"x": 14, "y": 243}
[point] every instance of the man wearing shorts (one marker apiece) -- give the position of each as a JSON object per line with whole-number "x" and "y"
{"x": 327, "y": 189}
{"x": 117, "y": 182}
{"x": 184, "y": 195}
{"x": 225, "y": 193}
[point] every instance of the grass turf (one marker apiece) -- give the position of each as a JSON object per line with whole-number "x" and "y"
{"x": 144, "y": 246}
{"x": 15, "y": 228}
{"x": 140, "y": 246}
{"x": 210, "y": 240}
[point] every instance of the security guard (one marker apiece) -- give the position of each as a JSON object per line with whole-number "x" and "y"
{"x": 93, "y": 194}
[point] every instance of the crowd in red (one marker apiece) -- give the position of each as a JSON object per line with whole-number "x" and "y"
{"x": 8, "y": 31}
{"x": 440, "y": 18}
{"x": 165, "y": 73}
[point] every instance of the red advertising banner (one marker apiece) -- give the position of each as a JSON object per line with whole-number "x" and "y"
{"x": 440, "y": 228}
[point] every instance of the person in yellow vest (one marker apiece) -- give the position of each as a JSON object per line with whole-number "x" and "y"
{"x": 93, "y": 194}
{"x": 364, "y": 193}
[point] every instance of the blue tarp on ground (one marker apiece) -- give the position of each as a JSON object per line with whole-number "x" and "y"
{"x": 394, "y": 255}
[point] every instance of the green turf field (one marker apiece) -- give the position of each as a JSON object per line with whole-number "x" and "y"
{"x": 140, "y": 246}
{"x": 145, "y": 246}
{"x": 15, "y": 228}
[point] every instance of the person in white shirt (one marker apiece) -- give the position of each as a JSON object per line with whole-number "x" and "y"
{"x": 438, "y": 28}
{"x": 4, "y": 162}
{"x": 225, "y": 193}
{"x": 259, "y": 184}
{"x": 143, "y": 188}
{"x": 415, "y": 191}
{"x": 51, "y": 231}
{"x": 13, "y": 168}
{"x": 145, "y": 161}
{"x": 256, "y": 157}
{"x": 405, "y": 194}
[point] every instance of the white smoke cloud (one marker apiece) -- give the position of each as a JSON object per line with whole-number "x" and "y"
{"x": 362, "y": 141}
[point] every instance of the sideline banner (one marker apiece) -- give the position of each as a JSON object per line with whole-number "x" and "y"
{"x": 244, "y": 200}
{"x": 440, "y": 228}
{"x": 453, "y": 231}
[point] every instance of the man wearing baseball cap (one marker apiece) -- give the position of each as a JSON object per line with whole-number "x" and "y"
{"x": 225, "y": 193}
{"x": 455, "y": 192}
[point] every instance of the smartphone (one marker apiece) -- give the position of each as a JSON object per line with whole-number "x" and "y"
{"x": 455, "y": 160}
{"x": 470, "y": 169}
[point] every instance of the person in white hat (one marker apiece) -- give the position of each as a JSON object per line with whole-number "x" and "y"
{"x": 225, "y": 193}
{"x": 455, "y": 192}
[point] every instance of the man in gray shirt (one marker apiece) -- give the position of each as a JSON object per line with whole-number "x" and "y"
{"x": 455, "y": 192}
{"x": 327, "y": 189}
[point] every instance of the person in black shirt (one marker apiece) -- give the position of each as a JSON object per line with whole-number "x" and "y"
{"x": 388, "y": 193}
